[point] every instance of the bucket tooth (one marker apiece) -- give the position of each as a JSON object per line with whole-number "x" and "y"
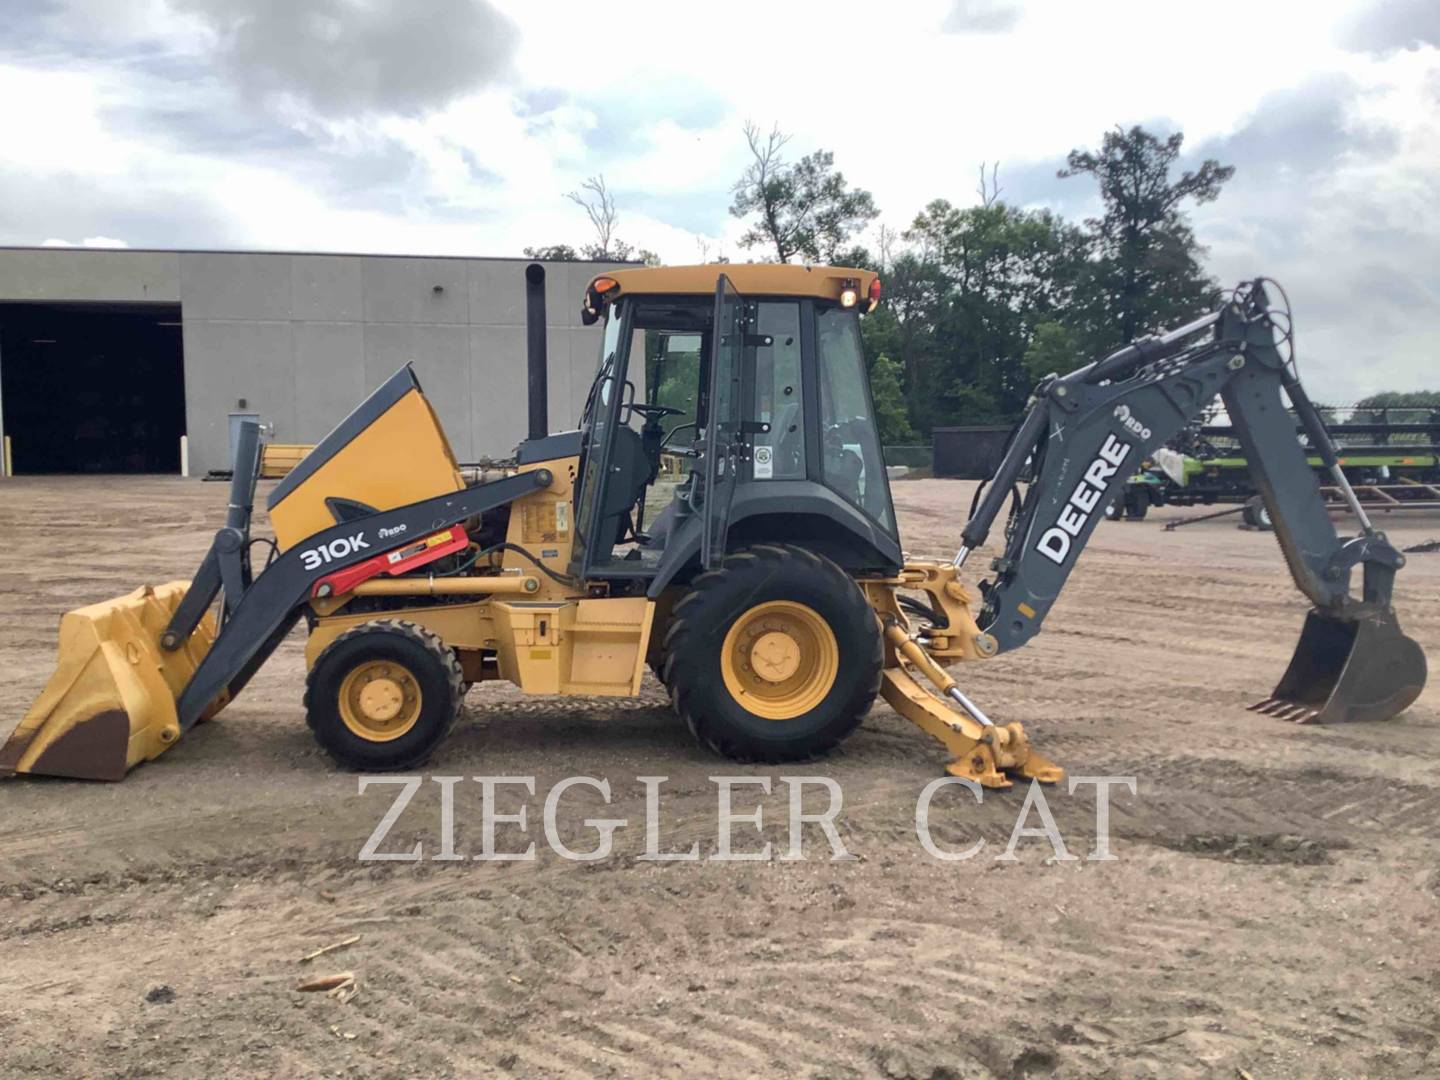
{"x": 1270, "y": 706}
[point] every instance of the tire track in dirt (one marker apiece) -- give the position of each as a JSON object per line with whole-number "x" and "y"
{"x": 214, "y": 869}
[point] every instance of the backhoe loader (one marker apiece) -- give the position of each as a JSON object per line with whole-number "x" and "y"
{"x": 765, "y": 586}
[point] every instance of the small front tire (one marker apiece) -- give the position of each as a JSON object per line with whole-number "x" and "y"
{"x": 383, "y": 696}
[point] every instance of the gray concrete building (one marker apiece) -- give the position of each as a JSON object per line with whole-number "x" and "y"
{"x": 107, "y": 357}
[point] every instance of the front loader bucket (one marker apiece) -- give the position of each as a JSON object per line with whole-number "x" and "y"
{"x": 1348, "y": 668}
{"x": 111, "y": 702}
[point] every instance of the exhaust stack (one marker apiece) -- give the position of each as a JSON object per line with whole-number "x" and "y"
{"x": 535, "y": 350}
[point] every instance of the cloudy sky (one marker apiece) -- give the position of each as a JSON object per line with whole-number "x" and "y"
{"x": 456, "y": 126}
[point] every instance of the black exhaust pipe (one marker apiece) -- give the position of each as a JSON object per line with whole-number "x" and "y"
{"x": 535, "y": 350}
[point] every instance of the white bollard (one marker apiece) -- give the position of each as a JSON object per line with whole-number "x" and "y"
{"x": 185, "y": 455}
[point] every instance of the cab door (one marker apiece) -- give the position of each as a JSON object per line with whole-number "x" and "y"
{"x": 725, "y": 430}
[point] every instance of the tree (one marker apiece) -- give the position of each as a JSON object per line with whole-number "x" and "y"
{"x": 619, "y": 252}
{"x": 889, "y": 398}
{"x": 805, "y": 208}
{"x": 553, "y": 253}
{"x": 1401, "y": 399}
{"x": 1148, "y": 273}
{"x": 903, "y": 329}
{"x": 1403, "y": 407}
{"x": 599, "y": 205}
{"x": 1054, "y": 349}
{"x": 998, "y": 273}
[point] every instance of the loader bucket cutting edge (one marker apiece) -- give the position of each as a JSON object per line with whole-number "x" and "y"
{"x": 111, "y": 702}
{"x": 1348, "y": 668}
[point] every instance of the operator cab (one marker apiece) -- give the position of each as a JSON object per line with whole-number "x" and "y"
{"x": 722, "y": 416}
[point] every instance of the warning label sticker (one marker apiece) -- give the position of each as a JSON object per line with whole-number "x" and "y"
{"x": 546, "y": 522}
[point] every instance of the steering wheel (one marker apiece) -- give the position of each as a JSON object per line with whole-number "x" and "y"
{"x": 654, "y": 412}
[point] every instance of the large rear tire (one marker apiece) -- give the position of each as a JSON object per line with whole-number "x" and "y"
{"x": 776, "y": 656}
{"x": 383, "y": 696}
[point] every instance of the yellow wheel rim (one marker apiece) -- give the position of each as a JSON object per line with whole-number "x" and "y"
{"x": 779, "y": 660}
{"x": 380, "y": 700}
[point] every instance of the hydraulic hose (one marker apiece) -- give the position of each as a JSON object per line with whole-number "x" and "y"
{"x": 977, "y": 529}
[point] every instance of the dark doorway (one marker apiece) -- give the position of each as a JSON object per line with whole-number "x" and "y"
{"x": 92, "y": 388}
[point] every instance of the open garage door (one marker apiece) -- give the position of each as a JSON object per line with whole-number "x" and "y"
{"x": 92, "y": 388}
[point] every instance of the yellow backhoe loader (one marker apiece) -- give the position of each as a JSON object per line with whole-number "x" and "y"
{"x": 765, "y": 585}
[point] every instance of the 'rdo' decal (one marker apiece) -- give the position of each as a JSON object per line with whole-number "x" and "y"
{"x": 316, "y": 557}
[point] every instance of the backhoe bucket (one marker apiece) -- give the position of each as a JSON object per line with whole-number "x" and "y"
{"x": 1348, "y": 668}
{"x": 111, "y": 702}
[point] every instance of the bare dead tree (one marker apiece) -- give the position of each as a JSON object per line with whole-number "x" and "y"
{"x": 886, "y": 241}
{"x": 599, "y": 206}
{"x": 989, "y": 190}
{"x": 711, "y": 249}
{"x": 759, "y": 190}
{"x": 766, "y": 154}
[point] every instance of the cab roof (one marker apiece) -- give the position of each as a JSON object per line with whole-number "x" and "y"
{"x": 749, "y": 279}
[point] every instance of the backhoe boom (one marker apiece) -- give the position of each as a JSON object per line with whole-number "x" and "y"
{"x": 1087, "y": 431}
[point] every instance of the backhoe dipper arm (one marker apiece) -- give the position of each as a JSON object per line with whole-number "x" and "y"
{"x": 1088, "y": 431}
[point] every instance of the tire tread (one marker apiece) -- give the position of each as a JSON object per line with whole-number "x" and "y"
{"x": 680, "y": 642}
{"x": 431, "y": 643}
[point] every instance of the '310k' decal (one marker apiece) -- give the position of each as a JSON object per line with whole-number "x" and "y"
{"x": 316, "y": 557}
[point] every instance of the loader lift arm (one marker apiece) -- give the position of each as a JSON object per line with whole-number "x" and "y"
{"x": 1085, "y": 430}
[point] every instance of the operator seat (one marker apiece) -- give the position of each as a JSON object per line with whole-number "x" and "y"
{"x": 625, "y": 486}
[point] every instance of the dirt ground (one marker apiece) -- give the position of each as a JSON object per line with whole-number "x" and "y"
{"x": 1274, "y": 910}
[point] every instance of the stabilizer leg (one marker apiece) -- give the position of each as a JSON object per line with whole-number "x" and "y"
{"x": 992, "y": 756}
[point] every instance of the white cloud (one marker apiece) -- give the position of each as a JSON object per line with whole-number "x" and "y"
{"x": 137, "y": 124}
{"x": 88, "y": 242}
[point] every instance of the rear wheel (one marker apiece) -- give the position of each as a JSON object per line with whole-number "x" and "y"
{"x": 776, "y": 656}
{"x": 383, "y": 695}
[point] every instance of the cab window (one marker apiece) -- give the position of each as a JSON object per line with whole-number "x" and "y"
{"x": 672, "y": 379}
{"x": 779, "y": 453}
{"x": 852, "y": 464}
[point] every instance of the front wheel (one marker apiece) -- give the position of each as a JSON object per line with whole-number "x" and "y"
{"x": 776, "y": 656}
{"x": 384, "y": 695}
